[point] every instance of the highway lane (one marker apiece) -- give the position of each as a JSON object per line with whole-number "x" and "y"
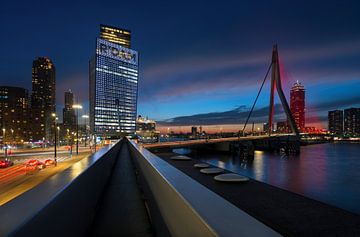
{"x": 16, "y": 179}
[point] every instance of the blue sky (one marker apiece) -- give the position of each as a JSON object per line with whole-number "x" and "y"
{"x": 196, "y": 56}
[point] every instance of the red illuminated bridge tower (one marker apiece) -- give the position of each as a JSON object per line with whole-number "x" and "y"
{"x": 276, "y": 83}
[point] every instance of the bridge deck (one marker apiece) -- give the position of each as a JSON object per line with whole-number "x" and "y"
{"x": 121, "y": 209}
{"x": 288, "y": 213}
{"x": 211, "y": 141}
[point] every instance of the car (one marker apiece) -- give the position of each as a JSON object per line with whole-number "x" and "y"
{"x": 36, "y": 163}
{"x": 49, "y": 162}
{"x": 6, "y": 163}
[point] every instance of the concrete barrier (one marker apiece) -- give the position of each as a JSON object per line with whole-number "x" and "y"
{"x": 63, "y": 205}
{"x": 190, "y": 209}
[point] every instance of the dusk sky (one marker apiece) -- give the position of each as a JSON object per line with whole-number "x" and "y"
{"x": 195, "y": 56}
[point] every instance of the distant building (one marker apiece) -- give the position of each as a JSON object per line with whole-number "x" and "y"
{"x": 113, "y": 88}
{"x": 194, "y": 132}
{"x": 42, "y": 98}
{"x": 14, "y": 114}
{"x": 352, "y": 122}
{"x": 297, "y": 105}
{"x": 335, "y": 122}
{"x": 282, "y": 127}
{"x": 266, "y": 127}
{"x": 69, "y": 118}
{"x": 146, "y": 130}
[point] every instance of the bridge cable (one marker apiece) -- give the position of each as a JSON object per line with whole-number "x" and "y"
{"x": 252, "y": 108}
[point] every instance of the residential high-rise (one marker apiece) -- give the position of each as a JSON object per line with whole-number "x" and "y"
{"x": 352, "y": 122}
{"x": 116, "y": 35}
{"x": 14, "y": 114}
{"x": 113, "y": 88}
{"x": 335, "y": 119}
{"x": 42, "y": 98}
{"x": 297, "y": 105}
{"x": 69, "y": 118}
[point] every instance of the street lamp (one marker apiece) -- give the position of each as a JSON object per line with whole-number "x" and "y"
{"x": 77, "y": 107}
{"x": 85, "y": 116}
{"x": 12, "y": 134}
{"x": 54, "y": 116}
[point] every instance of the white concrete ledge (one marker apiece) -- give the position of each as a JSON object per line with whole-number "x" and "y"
{"x": 189, "y": 208}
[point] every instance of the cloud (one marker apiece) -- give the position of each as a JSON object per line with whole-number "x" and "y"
{"x": 260, "y": 115}
{"x": 189, "y": 75}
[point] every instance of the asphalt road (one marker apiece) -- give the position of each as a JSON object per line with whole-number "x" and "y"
{"x": 17, "y": 179}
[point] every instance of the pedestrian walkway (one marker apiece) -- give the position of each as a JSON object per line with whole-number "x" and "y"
{"x": 122, "y": 211}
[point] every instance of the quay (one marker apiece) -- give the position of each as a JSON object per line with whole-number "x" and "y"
{"x": 287, "y": 142}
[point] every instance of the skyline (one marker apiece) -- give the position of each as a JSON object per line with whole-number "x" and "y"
{"x": 183, "y": 68}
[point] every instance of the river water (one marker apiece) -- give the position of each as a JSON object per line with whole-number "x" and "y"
{"x": 326, "y": 172}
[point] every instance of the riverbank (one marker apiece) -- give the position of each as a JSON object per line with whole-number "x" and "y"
{"x": 286, "y": 212}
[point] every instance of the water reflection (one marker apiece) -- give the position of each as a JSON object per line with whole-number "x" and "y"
{"x": 326, "y": 172}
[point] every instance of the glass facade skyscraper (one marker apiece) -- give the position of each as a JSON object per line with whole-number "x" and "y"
{"x": 113, "y": 89}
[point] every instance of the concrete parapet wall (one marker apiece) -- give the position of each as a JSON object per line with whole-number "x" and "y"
{"x": 63, "y": 205}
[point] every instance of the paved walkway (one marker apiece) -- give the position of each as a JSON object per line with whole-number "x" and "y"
{"x": 122, "y": 211}
{"x": 288, "y": 213}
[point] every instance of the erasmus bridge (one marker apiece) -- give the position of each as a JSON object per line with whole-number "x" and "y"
{"x": 126, "y": 190}
{"x": 286, "y": 142}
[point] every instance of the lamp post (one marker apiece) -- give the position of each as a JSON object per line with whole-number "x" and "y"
{"x": 58, "y": 133}
{"x": 55, "y": 155}
{"x": 5, "y": 146}
{"x": 12, "y": 135}
{"x": 77, "y": 107}
{"x": 85, "y": 116}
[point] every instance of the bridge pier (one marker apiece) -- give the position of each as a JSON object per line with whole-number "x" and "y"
{"x": 244, "y": 149}
{"x": 288, "y": 145}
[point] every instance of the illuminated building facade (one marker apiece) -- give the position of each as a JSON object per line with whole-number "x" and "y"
{"x": 282, "y": 127}
{"x": 113, "y": 89}
{"x": 14, "y": 113}
{"x": 116, "y": 35}
{"x": 335, "y": 119}
{"x": 42, "y": 98}
{"x": 352, "y": 122}
{"x": 146, "y": 130}
{"x": 297, "y": 105}
{"x": 69, "y": 118}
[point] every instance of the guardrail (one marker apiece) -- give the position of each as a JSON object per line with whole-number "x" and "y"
{"x": 63, "y": 205}
{"x": 189, "y": 208}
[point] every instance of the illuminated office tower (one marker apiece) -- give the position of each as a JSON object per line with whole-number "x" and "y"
{"x": 116, "y": 35}
{"x": 297, "y": 105}
{"x": 14, "y": 114}
{"x": 42, "y": 98}
{"x": 113, "y": 88}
